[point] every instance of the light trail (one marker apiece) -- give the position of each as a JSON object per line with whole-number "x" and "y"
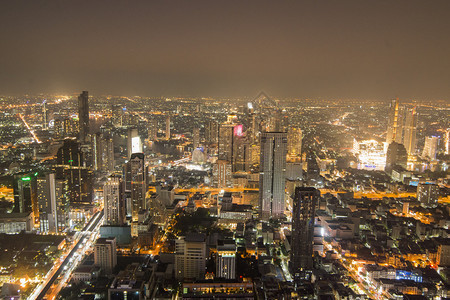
{"x": 29, "y": 129}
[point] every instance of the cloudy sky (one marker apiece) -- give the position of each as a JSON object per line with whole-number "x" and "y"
{"x": 315, "y": 49}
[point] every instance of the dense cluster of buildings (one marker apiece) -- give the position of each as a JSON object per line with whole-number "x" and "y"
{"x": 244, "y": 200}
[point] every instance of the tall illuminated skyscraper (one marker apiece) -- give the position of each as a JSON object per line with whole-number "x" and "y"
{"x": 114, "y": 201}
{"x": 52, "y": 195}
{"x": 272, "y": 174}
{"x": 430, "y": 147}
{"x": 168, "y": 127}
{"x": 83, "y": 116}
{"x": 410, "y": 130}
{"x": 134, "y": 143}
{"x": 138, "y": 182}
{"x": 226, "y": 141}
{"x": 305, "y": 199}
{"x": 395, "y": 121}
{"x": 294, "y": 143}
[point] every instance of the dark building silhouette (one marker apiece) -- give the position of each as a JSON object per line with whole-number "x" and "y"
{"x": 83, "y": 116}
{"x": 305, "y": 199}
{"x": 25, "y": 196}
{"x": 71, "y": 166}
{"x": 396, "y": 155}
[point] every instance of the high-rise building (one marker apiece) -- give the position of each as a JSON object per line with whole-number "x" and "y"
{"x": 71, "y": 165}
{"x": 312, "y": 167}
{"x": 25, "y": 196}
{"x": 395, "y": 122}
{"x": 226, "y": 259}
{"x": 447, "y": 141}
{"x": 83, "y": 116}
{"x": 105, "y": 254}
{"x": 430, "y": 147}
{"x": 53, "y": 203}
{"x": 107, "y": 153}
{"x": 294, "y": 143}
{"x": 410, "y": 130}
{"x": 305, "y": 200}
{"x": 196, "y": 137}
{"x": 134, "y": 143}
{"x": 138, "y": 184}
{"x": 190, "y": 257}
{"x": 211, "y": 132}
{"x": 152, "y": 130}
{"x": 168, "y": 127}
{"x": 114, "y": 201}
{"x": 44, "y": 115}
{"x": 222, "y": 174}
{"x": 272, "y": 174}
{"x": 226, "y": 141}
{"x": 396, "y": 155}
{"x": 241, "y": 151}
{"x": 428, "y": 194}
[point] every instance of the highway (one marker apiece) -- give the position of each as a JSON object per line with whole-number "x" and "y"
{"x": 86, "y": 238}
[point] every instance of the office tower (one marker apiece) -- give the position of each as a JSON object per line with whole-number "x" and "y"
{"x": 410, "y": 130}
{"x": 395, "y": 121}
{"x": 272, "y": 174}
{"x": 53, "y": 203}
{"x": 190, "y": 257}
{"x": 134, "y": 143}
{"x": 83, "y": 116}
{"x": 117, "y": 115}
{"x": 294, "y": 170}
{"x": 226, "y": 259}
{"x": 196, "y": 137}
{"x": 447, "y": 141}
{"x": 241, "y": 150}
{"x": 25, "y": 195}
{"x": 226, "y": 141}
{"x": 294, "y": 143}
{"x": 107, "y": 153}
{"x": 212, "y": 132}
{"x": 44, "y": 115}
{"x": 396, "y": 155}
{"x": 305, "y": 200}
{"x": 152, "y": 130}
{"x": 138, "y": 184}
{"x": 114, "y": 202}
{"x": 430, "y": 147}
{"x": 312, "y": 167}
{"x": 96, "y": 151}
{"x": 105, "y": 254}
{"x": 168, "y": 127}
{"x": 222, "y": 174}
{"x": 70, "y": 127}
{"x": 428, "y": 194}
{"x": 71, "y": 165}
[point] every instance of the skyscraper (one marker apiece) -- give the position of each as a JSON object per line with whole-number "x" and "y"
{"x": 134, "y": 143}
{"x": 53, "y": 203}
{"x": 222, "y": 174}
{"x": 25, "y": 196}
{"x": 114, "y": 201}
{"x": 428, "y": 194}
{"x": 410, "y": 130}
{"x": 430, "y": 147}
{"x": 83, "y": 116}
{"x": 168, "y": 127}
{"x": 305, "y": 199}
{"x": 294, "y": 143}
{"x": 105, "y": 254}
{"x": 44, "y": 115}
{"x": 138, "y": 178}
{"x": 196, "y": 137}
{"x": 152, "y": 130}
{"x": 395, "y": 121}
{"x": 396, "y": 155}
{"x": 190, "y": 257}
{"x": 226, "y": 141}
{"x": 272, "y": 174}
{"x": 117, "y": 115}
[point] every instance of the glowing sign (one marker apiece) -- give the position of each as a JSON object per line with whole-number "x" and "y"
{"x": 238, "y": 131}
{"x": 26, "y": 178}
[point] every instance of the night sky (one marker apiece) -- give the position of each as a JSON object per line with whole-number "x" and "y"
{"x": 305, "y": 49}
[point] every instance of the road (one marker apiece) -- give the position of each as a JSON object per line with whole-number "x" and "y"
{"x": 85, "y": 238}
